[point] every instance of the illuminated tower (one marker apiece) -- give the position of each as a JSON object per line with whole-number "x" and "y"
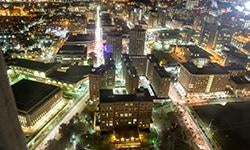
{"x": 11, "y": 135}
{"x": 137, "y": 41}
{"x": 114, "y": 45}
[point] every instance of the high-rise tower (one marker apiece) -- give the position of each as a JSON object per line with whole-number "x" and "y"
{"x": 114, "y": 45}
{"x": 137, "y": 41}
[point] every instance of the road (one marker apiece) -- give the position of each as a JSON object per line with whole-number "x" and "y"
{"x": 76, "y": 109}
{"x": 199, "y": 138}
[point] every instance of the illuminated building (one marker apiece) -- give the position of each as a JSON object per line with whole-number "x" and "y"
{"x": 38, "y": 105}
{"x": 77, "y": 22}
{"x": 88, "y": 40}
{"x": 186, "y": 53}
{"x": 138, "y": 61}
{"x": 159, "y": 78}
{"x": 241, "y": 85}
{"x": 137, "y": 41}
{"x": 69, "y": 77}
{"x": 161, "y": 81}
{"x": 129, "y": 74}
{"x": 125, "y": 110}
{"x": 242, "y": 43}
{"x": 190, "y": 4}
{"x": 101, "y": 77}
{"x": 203, "y": 79}
{"x": 233, "y": 55}
{"x": 32, "y": 68}
{"x": 151, "y": 62}
{"x": 72, "y": 54}
{"x": 11, "y": 134}
{"x": 126, "y": 137}
{"x": 208, "y": 32}
{"x": 114, "y": 45}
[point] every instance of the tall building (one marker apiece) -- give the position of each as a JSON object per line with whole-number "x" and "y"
{"x": 208, "y": 32}
{"x": 129, "y": 74}
{"x": 101, "y": 77}
{"x": 11, "y": 135}
{"x": 137, "y": 41}
{"x": 114, "y": 45}
{"x": 161, "y": 81}
{"x": 125, "y": 110}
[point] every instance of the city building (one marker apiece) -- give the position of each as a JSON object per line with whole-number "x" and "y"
{"x": 190, "y": 4}
{"x": 32, "y": 68}
{"x": 38, "y": 105}
{"x": 184, "y": 53}
{"x": 88, "y": 40}
{"x": 137, "y": 37}
{"x": 161, "y": 81}
{"x": 129, "y": 74}
{"x": 208, "y": 31}
{"x": 72, "y": 54}
{"x": 114, "y": 45}
{"x": 240, "y": 85}
{"x": 102, "y": 77}
{"x": 125, "y": 110}
{"x": 203, "y": 79}
{"x": 241, "y": 42}
{"x": 234, "y": 56}
{"x": 138, "y": 61}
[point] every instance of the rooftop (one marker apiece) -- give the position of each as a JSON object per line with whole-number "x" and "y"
{"x": 34, "y": 65}
{"x": 234, "y": 52}
{"x": 73, "y": 50}
{"x": 162, "y": 72}
{"x": 211, "y": 68}
{"x": 102, "y": 68}
{"x": 107, "y": 96}
{"x": 196, "y": 52}
{"x": 36, "y": 94}
{"x": 240, "y": 80}
{"x": 72, "y": 75}
{"x": 80, "y": 37}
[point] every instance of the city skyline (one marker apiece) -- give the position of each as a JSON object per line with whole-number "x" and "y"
{"x": 125, "y": 74}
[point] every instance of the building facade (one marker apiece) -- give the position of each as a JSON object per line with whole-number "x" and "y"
{"x": 125, "y": 110}
{"x": 137, "y": 41}
{"x": 114, "y": 45}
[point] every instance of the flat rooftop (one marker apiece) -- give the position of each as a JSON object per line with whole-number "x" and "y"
{"x": 234, "y": 52}
{"x": 240, "y": 80}
{"x": 30, "y": 95}
{"x": 72, "y": 75}
{"x": 34, "y": 65}
{"x": 196, "y": 51}
{"x": 72, "y": 50}
{"x": 211, "y": 68}
{"x": 80, "y": 38}
{"x": 107, "y": 96}
{"x": 162, "y": 72}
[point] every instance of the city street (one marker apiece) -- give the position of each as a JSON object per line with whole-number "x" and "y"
{"x": 47, "y": 134}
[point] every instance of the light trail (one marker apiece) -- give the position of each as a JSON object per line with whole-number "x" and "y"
{"x": 98, "y": 38}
